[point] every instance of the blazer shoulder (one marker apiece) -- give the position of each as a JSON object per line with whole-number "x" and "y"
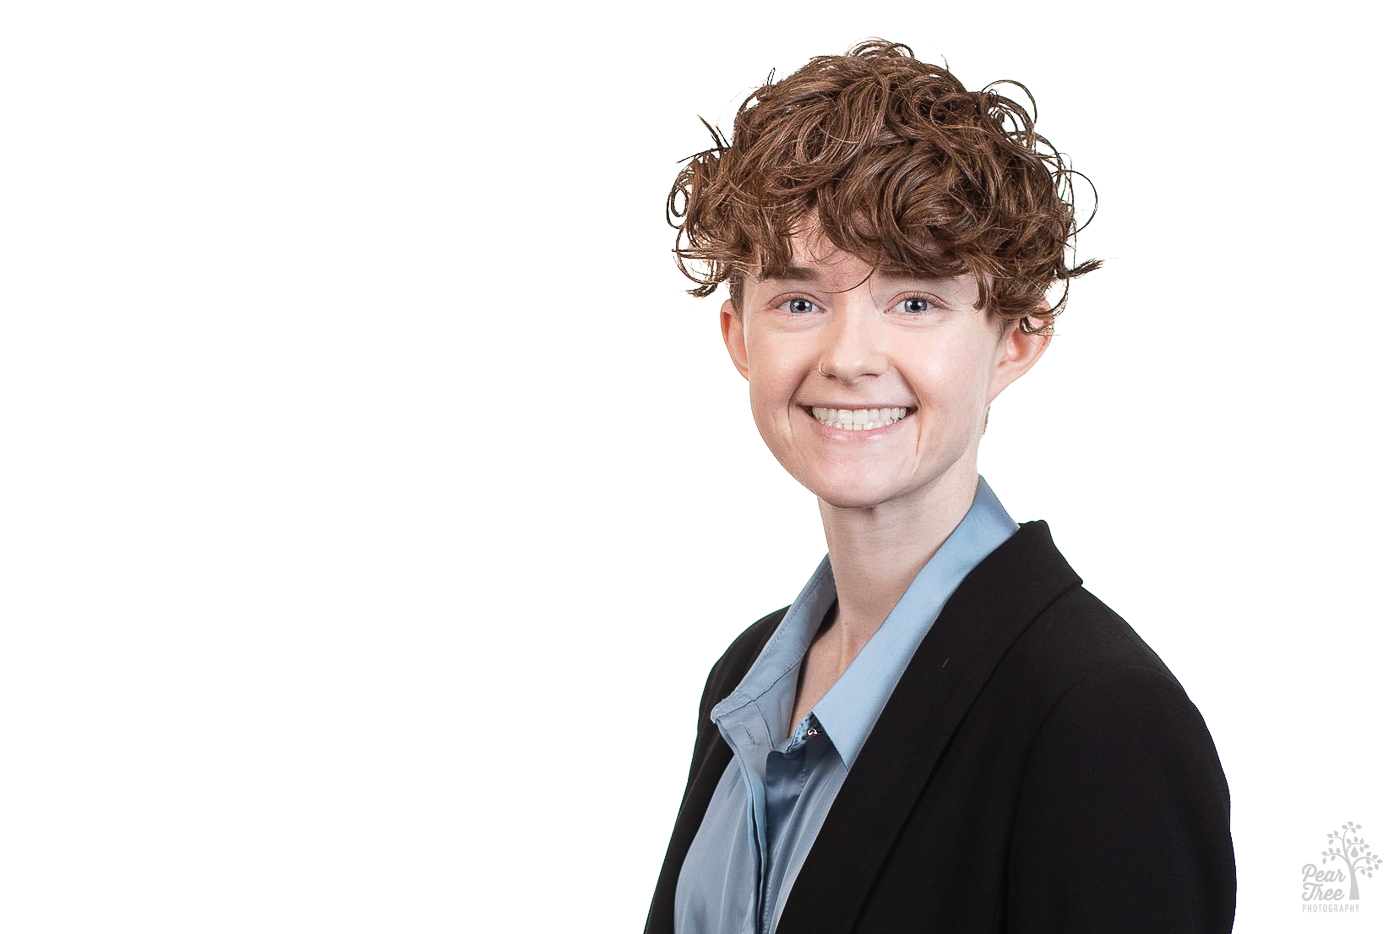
{"x": 1076, "y": 637}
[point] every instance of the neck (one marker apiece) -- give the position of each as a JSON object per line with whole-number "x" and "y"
{"x": 876, "y": 553}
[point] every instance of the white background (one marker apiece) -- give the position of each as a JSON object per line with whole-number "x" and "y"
{"x": 373, "y": 501}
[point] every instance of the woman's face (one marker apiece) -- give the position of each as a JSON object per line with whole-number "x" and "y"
{"x": 871, "y": 390}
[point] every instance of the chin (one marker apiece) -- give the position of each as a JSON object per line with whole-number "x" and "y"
{"x": 861, "y": 489}
{"x": 852, "y": 496}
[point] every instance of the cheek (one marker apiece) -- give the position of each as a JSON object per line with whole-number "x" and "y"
{"x": 957, "y": 386}
{"x": 771, "y": 377}
{"x": 769, "y": 400}
{"x": 772, "y": 386}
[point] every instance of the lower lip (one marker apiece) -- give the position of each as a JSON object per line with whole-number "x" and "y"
{"x": 848, "y": 435}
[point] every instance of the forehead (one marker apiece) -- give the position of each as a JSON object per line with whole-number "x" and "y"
{"x": 817, "y": 264}
{"x": 813, "y": 254}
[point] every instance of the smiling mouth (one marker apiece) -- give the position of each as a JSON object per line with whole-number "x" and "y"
{"x": 858, "y": 419}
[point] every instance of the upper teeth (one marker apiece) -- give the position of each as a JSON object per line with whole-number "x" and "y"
{"x": 859, "y": 419}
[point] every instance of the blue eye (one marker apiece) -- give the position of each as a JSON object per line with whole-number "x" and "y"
{"x": 799, "y": 306}
{"x": 916, "y": 306}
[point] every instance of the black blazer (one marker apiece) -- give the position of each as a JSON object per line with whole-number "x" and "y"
{"x": 1037, "y": 769}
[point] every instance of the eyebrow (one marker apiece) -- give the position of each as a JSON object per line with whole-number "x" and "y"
{"x": 792, "y": 274}
{"x": 808, "y": 274}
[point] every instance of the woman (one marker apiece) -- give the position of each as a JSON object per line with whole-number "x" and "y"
{"x": 945, "y": 731}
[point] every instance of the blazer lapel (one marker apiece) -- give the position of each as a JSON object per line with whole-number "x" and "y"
{"x": 711, "y": 757}
{"x": 989, "y": 610}
{"x": 693, "y": 807}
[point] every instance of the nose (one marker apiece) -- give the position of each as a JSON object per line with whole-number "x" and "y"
{"x": 854, "y": 346}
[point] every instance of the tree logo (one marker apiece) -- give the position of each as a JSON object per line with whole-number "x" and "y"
{"x": 1345, "y": 847}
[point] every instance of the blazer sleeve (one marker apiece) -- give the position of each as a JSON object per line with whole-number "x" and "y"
{"x": 1123, "y": 819}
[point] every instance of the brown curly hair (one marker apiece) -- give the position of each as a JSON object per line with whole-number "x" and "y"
{"x": 901, "y": 166}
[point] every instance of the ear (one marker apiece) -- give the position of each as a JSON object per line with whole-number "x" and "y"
{"x": 732, "y": 327}
{"x": 1017, "y": 353}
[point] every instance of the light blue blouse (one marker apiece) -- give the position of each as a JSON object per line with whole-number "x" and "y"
{"x": 777, "y": 789}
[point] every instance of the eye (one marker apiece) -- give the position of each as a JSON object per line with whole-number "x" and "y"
{"x": 798, "y": 306}
{"x": 917, "y": 305}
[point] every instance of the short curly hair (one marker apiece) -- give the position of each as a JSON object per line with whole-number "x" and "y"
{"x": 901, "y": 166}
